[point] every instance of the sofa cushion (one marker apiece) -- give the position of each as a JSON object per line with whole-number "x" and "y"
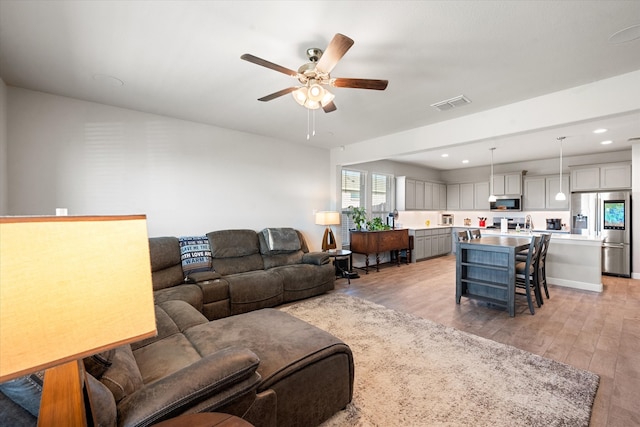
{"x": 254, "y": 290}
{"x": 235, "y": 251}
{"x": 190, "y": 293}
{"x": 166, "y": 266}
{"x": 233, "y": 243}
{"x": 279, "y": 240}
{"x": 123, "y": 376}
{"x": 195, "y": 254}
{"x": 287, "y": 258}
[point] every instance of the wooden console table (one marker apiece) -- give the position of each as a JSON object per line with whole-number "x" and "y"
{"x": 376, "y": 242}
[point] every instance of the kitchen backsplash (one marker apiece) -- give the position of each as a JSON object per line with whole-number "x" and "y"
{"x": 417, "y": 219}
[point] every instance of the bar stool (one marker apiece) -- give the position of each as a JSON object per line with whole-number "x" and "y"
{"x": 463, "y": 236}
{"x": 526, "y": 273}
{"x": 542, "y": 270}
{"x": 474, "y": 234}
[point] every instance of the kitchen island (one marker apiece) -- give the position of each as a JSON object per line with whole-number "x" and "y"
{"x": 486, "y": 269}
{"x": 573, "y": 260}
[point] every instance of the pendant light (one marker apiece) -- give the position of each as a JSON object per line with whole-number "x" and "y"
{"x": 492, "y": 197}
{"x": 561, "y": 196}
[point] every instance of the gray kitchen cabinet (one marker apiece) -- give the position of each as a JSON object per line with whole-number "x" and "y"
{"x": 418, "y": 246}
{"x": 552, "y": 188}
{"x": 405, "y": 193}
{"x": 586, "y": 178}
{"x": 441, "y": 191}
{"x": 481, "y": 196}
{"x": 419, "y": 204}
{"x": 540, "y": 193}
{"x": 453, "y": 196}
{"x": 428, "y": 196}
{"x": 413, "y": 194}
{"x": 534, "y": 197}
{"x": 429, "y": 243}
{"x": 507, "y": 184}
{"x": 608, "y": 176}
{"x": 615, "y": 176}
{"x": 466, "y": 196}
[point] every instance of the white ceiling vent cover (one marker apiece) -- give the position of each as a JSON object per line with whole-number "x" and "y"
{"x": 448, "y": 104}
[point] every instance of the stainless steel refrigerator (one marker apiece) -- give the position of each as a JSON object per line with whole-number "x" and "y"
{"x": 607, "y": 215}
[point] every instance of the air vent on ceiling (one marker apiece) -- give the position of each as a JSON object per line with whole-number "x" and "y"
{"x": 448, "y": 104}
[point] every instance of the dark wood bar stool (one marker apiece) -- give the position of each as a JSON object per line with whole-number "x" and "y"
{"x": 526, "y": 273}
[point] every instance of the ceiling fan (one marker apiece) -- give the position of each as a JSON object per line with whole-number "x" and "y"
{"x": 315, "y": 74}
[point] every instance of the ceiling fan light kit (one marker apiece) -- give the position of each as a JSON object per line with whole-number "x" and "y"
{"x": 315, "y": 74}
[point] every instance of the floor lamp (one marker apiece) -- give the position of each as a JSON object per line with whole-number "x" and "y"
{"x": 328, "y": 218}
{"x": 70, "y": 287}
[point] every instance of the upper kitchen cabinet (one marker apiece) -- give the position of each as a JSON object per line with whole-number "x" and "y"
{"x": 453, "y": 196}
{"x": 413, "y": 194}
{"x": 466, "y": 196}
{"x": 553, "y": 186}
{"x": 534, "y": 197}
{"x": 481, "y": 196}
{"x": 608, "y": 176}
{"x": 507, "y": 184}
{"x": 540, "y": 193}
{"x": 405, "y": 193}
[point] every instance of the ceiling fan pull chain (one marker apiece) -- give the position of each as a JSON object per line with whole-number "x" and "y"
{"x": 308, "y": 112}
{"x": 314, "y": 123}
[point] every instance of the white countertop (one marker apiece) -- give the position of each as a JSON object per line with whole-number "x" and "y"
{"x": 554, "y": 236}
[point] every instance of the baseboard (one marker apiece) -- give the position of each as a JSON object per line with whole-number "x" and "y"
{"x": 594, "y": 287}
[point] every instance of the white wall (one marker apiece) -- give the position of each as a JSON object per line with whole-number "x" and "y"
{"x": 635, "y": 211}
{"x": 188, "y": 178}
{"x": 4, "y": 187}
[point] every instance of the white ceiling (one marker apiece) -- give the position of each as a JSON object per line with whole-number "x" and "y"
{"x": 182, "y": 59}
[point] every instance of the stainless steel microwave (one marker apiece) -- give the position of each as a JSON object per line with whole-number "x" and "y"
{"x": 506, "y": 203}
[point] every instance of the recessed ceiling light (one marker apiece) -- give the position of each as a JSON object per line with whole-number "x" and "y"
{"x": 465, "y": 161}
{"x": 626, "y": 34}
{"x": 606, "y": 142}
{"x": 601, "y": 130}
{"x": 444, "y": 155}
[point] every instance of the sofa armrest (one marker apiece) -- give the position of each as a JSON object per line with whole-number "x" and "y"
{"x": 229, "y": 373}
{"x": 317, "y": 258}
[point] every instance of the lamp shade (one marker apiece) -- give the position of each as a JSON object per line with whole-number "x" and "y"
{"x": 71, "y": 287}
{"x": 327, "y": 218}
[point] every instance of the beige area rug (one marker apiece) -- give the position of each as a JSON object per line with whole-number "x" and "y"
{"x": 413, "y": 372}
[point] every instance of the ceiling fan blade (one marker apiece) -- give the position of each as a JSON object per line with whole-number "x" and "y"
{"x": 277, "y": 94}
{"x": 360, "y": 83}
{"x": 271, "y": 65}
{"x": 329, "y": 107}
{"x": 338, "y": 46}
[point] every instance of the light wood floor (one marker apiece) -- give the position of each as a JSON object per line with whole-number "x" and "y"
{"x": 599, "y": 332}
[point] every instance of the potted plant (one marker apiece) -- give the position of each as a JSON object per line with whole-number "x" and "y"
{"x": 358, "y": 215}
{"x": 376, "y": 224}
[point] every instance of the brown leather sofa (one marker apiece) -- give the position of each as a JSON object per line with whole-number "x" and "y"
{"x": 249, "y": 271}
{"x": 252, "y": 361}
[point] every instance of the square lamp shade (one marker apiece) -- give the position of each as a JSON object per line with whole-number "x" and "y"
{"x": 328, "y": 218}
{"x": 71, "y": 287}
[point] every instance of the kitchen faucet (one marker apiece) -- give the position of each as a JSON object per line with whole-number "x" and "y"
{"x": 528, "y": 223}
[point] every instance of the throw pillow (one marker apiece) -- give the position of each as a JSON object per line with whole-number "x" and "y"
{"x": 280, "y": 240}
{"x": 195, "y": 253}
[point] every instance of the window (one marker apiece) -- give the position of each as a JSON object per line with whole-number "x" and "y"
{"x": 353, "y": 194}
{"x": 380, "y": 195}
